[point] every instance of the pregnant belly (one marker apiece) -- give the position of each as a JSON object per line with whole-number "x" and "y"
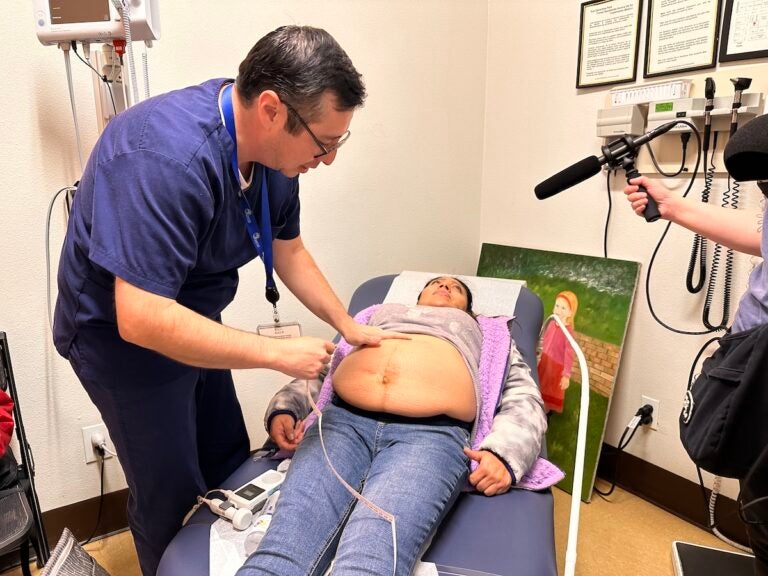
{"x": 424, "y": 376}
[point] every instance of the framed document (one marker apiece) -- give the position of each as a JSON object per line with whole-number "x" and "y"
{"x": 682, "y": 36}
{"x": 608, "y": 42}
{"x": 745, "y": 30}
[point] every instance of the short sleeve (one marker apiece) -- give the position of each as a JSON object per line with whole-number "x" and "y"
{"x": 148, "y": 213}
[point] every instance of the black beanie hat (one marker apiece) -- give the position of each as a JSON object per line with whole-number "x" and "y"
{"x": 746, "y": 154}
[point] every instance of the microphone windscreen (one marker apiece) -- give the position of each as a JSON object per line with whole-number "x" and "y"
{"x": 569, "y": 177}
{"x": 746, "y": 154}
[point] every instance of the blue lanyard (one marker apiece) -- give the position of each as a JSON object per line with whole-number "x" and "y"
{"x": 261, "y": 241}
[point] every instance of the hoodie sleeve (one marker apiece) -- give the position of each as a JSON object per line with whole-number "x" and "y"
{"x": 520, "y": 422}
{"x": 292, "y": 399}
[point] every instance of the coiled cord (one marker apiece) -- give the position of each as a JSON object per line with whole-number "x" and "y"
{"x": 699, "y": 248}
{"x": 661, "y": 240}
{"x": 730, "y": 200}
{"x": 124, "y": 10}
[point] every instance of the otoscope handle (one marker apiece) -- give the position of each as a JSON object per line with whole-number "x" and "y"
{"x": 651, "y": 213}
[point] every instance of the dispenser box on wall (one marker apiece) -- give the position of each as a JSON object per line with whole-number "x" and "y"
{"x": 59, "y": 21}
{"x": 620, "y": 120}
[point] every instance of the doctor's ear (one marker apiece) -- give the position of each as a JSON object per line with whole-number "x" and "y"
{"x": 270, "y": 108}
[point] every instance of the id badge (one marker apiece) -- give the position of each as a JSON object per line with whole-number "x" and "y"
{"x": 279, "y": 330}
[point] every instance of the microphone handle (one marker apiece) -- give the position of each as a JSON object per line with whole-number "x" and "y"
{"x": 651, "y": 213}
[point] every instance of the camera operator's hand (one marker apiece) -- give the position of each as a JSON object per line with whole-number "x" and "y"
{"x": 666, "y": 200}
{"x": 737, "y": 229}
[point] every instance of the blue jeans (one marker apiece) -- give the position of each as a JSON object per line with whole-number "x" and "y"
{"x": 413, "y": 470}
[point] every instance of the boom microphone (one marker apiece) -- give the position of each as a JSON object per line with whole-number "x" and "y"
{"x": 617, "y": 154}
{"x": 569, "y": 177}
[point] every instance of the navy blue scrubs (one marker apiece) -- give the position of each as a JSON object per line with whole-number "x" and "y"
{"x": 157, "y": 206}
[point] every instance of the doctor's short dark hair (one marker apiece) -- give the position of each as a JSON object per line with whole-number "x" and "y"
{"x": 300, "y": 63}
{"x": 468, "y": 309}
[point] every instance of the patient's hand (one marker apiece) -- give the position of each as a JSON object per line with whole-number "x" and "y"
{"x": 491, "y": 476}
{"x": 285, "y": 433}
{"x": 361, "y": 335}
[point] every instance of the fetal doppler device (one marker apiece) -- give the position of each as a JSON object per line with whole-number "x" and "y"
{"x": 241, "y": 504}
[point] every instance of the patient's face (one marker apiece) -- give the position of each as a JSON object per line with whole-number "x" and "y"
{"x": 444, "y": 291}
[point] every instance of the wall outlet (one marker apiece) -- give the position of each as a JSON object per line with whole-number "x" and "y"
{"x": 656, "y": 413}
{"x": 88, "y": 433}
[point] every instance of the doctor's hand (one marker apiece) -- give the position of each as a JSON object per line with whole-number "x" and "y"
{"x": 666, "y": 200}
{"x": 360, "y": 335}
{"x": 285, "y": 433}
{"x": 491, "y": 476}
{"x": 302, "y": 357}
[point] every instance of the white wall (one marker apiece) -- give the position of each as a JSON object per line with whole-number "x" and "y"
{"x": 537, "y": 123}
{"x": 402, "y": 194}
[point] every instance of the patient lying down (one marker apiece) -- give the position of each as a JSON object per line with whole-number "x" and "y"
{"x": 400, "y": 422}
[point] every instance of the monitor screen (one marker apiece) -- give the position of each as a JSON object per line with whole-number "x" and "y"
{"x": 249, "y": 492}
{"x": 78, "y": 11}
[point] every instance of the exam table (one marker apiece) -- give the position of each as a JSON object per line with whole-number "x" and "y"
{"x": 505, "y": 535}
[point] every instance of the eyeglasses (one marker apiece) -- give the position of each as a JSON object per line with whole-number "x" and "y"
{"x": 326, "y": 148}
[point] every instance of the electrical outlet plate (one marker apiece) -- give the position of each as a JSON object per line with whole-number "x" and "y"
{"x": 656, "y": 413}
{"x": 88, "y": 432}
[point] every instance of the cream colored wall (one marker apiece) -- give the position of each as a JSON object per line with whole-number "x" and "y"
{"x": 402, "y": 194}
{"x": 537, "y": 123}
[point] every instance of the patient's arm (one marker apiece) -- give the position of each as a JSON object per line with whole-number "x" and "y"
{"x": 292, "y": 399}
{"x": 520, "y": 422}
{"x": 286, "y": 431}
{"x": 492, "y": 475}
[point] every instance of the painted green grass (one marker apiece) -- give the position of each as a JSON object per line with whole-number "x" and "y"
{"x": 604, "y": 287}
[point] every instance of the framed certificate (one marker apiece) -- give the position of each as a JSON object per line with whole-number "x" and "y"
{"x": 745, "y": 30}
{"x": 682, "y": 36}
{"x": 609, "y": 35}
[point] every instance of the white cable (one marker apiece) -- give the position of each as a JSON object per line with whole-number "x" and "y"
{"x": 65, "y": 47}
{"x": 388, "y": 516}
{"x": 712, "y": 503}
{"x": 200, "y": 501}
{"x": 103, "y": 446}
{"x": 48, "y": 250}
{"x": 581, "y": 442}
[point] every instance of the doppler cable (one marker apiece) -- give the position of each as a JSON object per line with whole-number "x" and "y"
{"x": 388, "y": 516}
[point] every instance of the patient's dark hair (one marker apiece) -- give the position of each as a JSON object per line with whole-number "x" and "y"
{"x": 468, "y": 309}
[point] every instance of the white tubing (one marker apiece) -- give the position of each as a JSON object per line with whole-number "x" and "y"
{"x": 581, "y": 445}
{"x": 65, "y": 47}
{"x": 712, "y": 503}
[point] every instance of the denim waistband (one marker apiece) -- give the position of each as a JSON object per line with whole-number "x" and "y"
{"x": 439, "y": 420}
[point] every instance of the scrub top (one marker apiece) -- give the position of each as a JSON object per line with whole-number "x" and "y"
{"x": 157, "y": 206}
